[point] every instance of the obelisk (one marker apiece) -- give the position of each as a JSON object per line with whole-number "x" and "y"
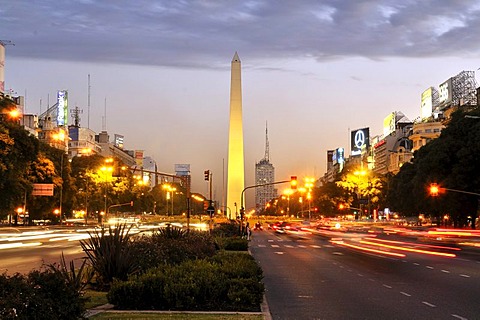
{"x": 236, "y": 169}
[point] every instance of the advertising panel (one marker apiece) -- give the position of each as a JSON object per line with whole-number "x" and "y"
{"x": 360, "y": 140}
{"x": 445, "y": 91}
{"x": 42, "y": 189}
{"x": 182, "y": 169}
{"x": 389, "y": 124}
{"x": 118, "y": 140}
{"x": 139, "y": 158}
{"x": 62, "y": 108}
{"x": 426, "y": 108}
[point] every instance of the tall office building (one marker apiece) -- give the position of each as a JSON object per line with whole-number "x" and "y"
{"x": 236, "y": 169}
{"x": 264, "y": 174}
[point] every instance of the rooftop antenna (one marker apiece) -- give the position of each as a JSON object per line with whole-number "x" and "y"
{"x": 267, "y": 146}
{"x": 88, "y": 110}
{"x": 76, "y": 116}
{"x": 104, "y": 124}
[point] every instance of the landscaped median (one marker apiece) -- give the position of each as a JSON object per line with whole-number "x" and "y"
{"x": 168, "y": 273}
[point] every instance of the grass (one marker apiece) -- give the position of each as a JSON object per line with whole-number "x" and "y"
{"x": 175, "y": 316}
{"x": 95, "y": 298}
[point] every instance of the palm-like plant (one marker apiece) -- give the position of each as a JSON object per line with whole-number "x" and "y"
{"x": 78, "y": 279}
{"x": 110, "y": 254}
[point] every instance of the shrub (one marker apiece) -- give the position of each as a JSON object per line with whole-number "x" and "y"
{"x": 171, "y": 247}
{"x": 227, "y": 229}
{"x": 110, "y": 254}
{"x": 209, "y": 284}
{"x": 232, "y": 244}
{"x": 40, "y": 295}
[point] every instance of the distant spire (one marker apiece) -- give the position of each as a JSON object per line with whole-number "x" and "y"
{"x": 267, "y": 147}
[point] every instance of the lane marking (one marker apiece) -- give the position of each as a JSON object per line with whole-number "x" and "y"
{"x": 387, "y": 286}
{"x": 338, "y": 253}
{"x": 465, "y": 275}
{"x": 305, "y": 297}
{"x": 315, "y": 246}
{"x": 445, "y": 271}
{"x": 275, "y": 246}
{"x": 405, "y": 294}
{"x": 262, "y": 245}
{"x": 459, "y": 317}
{"x": 373, "y": 280}
{"x": 270, "y": 240}
{"x": 302, "y": 246}
{"x": 429, "y": 304}
{"x": 359, "y": 274}
{"x": 288, "y": 246}
{"x": 417, "y": 264}
{"x": 429, "y": 267}
{"x": 279, "y": 252}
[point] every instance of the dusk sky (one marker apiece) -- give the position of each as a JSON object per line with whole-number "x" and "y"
{"x": 312, "y": 69}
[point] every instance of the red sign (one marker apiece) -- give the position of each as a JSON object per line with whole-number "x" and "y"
{"x": 42, "y": 189}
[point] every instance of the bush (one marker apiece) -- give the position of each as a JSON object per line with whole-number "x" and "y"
{"x": 208, "y": 284}
{"x": 232, "y": 244}
{"x": 40, "y": 295}
{"x": 227, "y": 229}
{"x": 171, "y": 246}
{"x": 110, "y": 254}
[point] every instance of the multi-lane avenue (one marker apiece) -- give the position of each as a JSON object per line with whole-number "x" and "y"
{"x": 319, "y": 277}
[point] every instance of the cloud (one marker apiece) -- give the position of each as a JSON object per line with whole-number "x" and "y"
{"x": 199, "y": 34}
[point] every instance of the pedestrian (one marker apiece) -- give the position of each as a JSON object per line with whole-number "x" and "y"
{"x": 248, "y": 231}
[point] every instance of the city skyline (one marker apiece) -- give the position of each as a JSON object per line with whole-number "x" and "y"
{"x": 161, "y": 71}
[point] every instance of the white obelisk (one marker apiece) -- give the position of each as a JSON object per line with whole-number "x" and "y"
{"x": 236, "y": 169}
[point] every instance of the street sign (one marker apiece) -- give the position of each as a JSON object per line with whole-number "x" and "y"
{"x": 211, "y": 210}
{"x": 42, "y": 189}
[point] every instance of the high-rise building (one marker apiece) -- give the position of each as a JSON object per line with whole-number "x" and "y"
{"x": 236, "y": 169}
{"x": 264, "y": 174}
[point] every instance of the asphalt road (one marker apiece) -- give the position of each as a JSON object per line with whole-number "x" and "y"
{"x": 312, "y": 278}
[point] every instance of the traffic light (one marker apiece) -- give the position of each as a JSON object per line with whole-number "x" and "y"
{"x": 207, "y": 175}
{"x": 293, "y": 182}
{"x": 434, "y": 189}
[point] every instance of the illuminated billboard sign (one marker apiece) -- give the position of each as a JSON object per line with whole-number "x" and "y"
{"x": 139, "y": 158}
{"x": 360, "y": 140}
{"x": 118, "y": 140}
{"x": 62, "y": 108}
{"x": 389, "y": 124}
{"x": 182, "y": 169}
{"x": 426, "y": 108}
{"x": 445, "y": 91}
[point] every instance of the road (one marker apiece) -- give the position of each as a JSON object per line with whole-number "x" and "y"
{"x": 313, "y": 278}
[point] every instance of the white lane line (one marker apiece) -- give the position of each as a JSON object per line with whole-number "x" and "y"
{"x": 288, "y": 246}
{"x": 315, "y": 246}
{"x": 459, "y": 317}
{"x": 429, "y": 304}
{"x": 405, "y": 294}
{"x": 429, "y": 267}
{"x": 270, "y": 240}
{"x": 373, "y": 280}
{"x": 465, "y": 275}
{"x": 387, "y": 286}
{"x": 302, "y": 246}
{"x": 338, "y": 253}
{"x": 359, "y": 274}
{"x": 279, "y": 252}
{"x": 350, "y": 270}
{"x": 417, "y": 264}
{"x": 445, "y": 271}
{"x": 275, "y": 246}
{"x": 261, "y": 245}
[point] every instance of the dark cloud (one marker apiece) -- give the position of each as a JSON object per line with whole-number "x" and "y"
{"x": 199, "y": 33}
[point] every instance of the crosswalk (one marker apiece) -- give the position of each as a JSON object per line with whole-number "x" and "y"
{"x": 287, "y": 245}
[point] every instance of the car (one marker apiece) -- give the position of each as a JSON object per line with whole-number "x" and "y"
{"x": 257, "y": 227}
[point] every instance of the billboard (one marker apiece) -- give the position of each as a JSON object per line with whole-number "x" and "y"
{"x": 62, "y": 108}
{"x": 182, "y": 169}
{"x": 139, "y": 158}
{"x": 42, "y": 189}
{"x": 389, "y": 124}
{"x": 118, "y": 140}
{"x": 445, "y": 91}
{"x": 360, "y": 140}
